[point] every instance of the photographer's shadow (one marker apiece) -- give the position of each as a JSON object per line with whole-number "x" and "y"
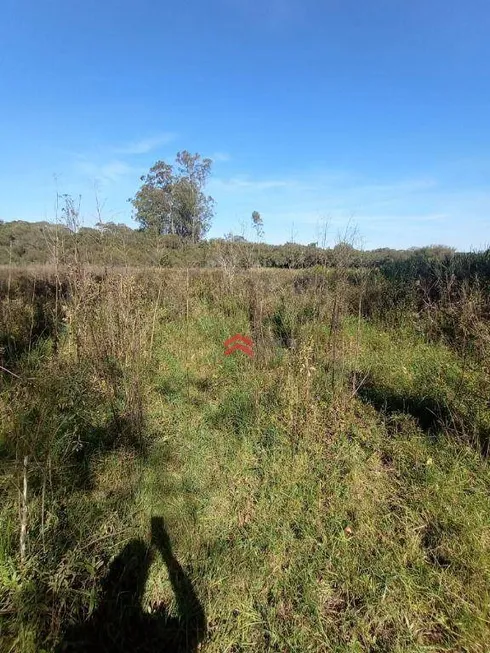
{"x": 119, "y": 623}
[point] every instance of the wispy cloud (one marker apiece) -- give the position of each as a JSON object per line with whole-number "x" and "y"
{"x": 244, "y": 183}
{"x": 319, "y": 183}
{"x": 145, "y": 145}
{"x": 110, "y": 164}
{"x": 110, "y": 172}
{"x": 388, "y": 211}
{"x": 221, "y": 157}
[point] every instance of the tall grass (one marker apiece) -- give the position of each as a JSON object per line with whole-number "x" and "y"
{"x": 72, "y": 404}
{"x": 328, "y": 494}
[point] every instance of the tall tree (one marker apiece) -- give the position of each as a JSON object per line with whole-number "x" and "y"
{"x": 171, "y": 199}
{"x": 193, "y": 209}
{"x": 153, "y": 202}
{"x": 258, "y": 223}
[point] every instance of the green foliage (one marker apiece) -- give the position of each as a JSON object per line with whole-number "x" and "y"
{"x": 435, "y": 267}
{"x": 171, "y": 199}
{"x": 24, "y": 243}
{"x": 237, "y": 412}
{"x": 283, "y": 323}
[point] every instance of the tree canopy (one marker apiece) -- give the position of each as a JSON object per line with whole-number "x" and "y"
{"x": 172, "y": 200}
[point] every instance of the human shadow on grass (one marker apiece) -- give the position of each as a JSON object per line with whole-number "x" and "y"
{"x": 119, "y": 623}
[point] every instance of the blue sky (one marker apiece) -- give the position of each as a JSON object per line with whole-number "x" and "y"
{"x": 372, "y": 113}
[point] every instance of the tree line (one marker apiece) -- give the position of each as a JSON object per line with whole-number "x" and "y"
{"x": 174, "y": 214}
{"x": 25, "y": 243}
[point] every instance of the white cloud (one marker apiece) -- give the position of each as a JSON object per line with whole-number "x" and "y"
{"x": 331, "y": 184}
{"x": 109, "y": 165}
{"x": 145, "y": 145}
{"x": 396, "y": 212}
{"x": 243, "y": 183}
{"x": 114, "y": 170}
{"x": 110, "y": 172}
{"x": 221, "y": 157}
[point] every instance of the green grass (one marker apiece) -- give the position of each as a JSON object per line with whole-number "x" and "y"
{"x": 363, "y": 532}
{"x": 307, "y": 517}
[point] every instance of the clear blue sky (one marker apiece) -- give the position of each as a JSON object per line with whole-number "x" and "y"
{"x": 373, "y": 113}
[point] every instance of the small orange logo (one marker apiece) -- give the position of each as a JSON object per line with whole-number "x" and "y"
{"x": 239, "y": 342}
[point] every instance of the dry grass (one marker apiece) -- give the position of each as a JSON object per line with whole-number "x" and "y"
{"x": 308, "y": 512}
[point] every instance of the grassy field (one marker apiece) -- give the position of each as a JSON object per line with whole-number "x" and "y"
{"x": 328, "y": 494}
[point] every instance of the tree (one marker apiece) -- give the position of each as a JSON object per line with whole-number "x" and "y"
{"x": 112, "y": 228}
{"x": 171, "y": 199}
{"x": 232, "y": 238}
{"x": 258, "y": 223}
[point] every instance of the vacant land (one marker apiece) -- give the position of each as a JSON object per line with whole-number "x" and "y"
{"x": 329, "y": 493}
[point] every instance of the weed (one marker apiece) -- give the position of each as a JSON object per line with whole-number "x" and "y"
{"x": 330, "y": 494}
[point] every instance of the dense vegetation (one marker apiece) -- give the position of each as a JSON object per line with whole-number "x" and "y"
{"x": 174, "y": 215}
{"x": 328, "y": 494}
{"x": 26, "y": 243}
